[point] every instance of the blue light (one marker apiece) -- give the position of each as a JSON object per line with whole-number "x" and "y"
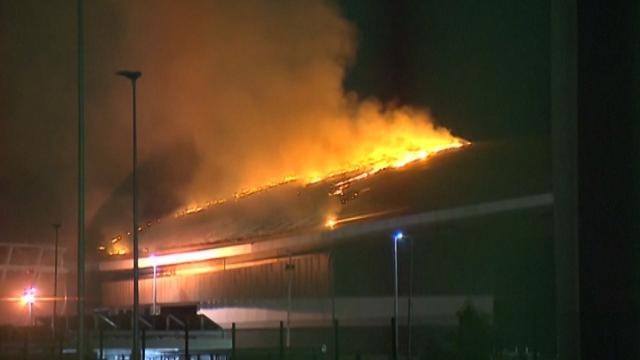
{"x": 398, "y": 236}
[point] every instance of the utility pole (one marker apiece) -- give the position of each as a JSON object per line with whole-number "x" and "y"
{"x": 80, "y": 350}
{"x": 396, "y": 238}
{"x": 289, "y": 270}
{"x": 135, "y": 351}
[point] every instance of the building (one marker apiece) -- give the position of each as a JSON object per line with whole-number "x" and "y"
{"x": 477, "y": 225}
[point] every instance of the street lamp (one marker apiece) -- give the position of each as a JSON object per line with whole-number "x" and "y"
{"x": 29, "y": 298}
{"x": 135, "y": 351}
{"x": 398, "y": 236}
{"x": 410, "y": 300}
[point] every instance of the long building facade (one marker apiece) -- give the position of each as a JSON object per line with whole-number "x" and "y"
{"x": 275, "y": 257}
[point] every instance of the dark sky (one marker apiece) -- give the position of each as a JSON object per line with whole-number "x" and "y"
{"x": 480, "y": 67}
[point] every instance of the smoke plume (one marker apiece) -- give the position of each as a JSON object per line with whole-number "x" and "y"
{"x": 258, "y": 86}
{"x": 242, "y": 93}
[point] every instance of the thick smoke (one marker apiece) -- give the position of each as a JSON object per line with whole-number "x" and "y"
{"x": 241, "y": 92}
{"x": 258, "y": 86}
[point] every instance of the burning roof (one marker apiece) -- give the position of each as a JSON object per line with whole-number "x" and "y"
{"x": 472, "y": 174}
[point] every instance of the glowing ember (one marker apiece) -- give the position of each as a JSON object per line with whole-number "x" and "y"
{"x": 115, "y": 250}
{"x": 179, "y": 258}
{"x": 330, "y": 223}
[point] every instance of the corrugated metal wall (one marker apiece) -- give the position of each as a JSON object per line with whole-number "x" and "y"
{"x": 310, "y": 278}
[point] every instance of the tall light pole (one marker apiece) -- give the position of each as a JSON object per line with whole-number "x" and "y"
{"x": 135, "y": 351}
{"x": 396, "y": 238}
{"x": 80, "y": 350}
{"x": 56, "y": 227}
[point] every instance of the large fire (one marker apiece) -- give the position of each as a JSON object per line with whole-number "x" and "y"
{"x": 375, "y": 141}
{"x": 395, "y": 146}
{"x": 290, "y": 119}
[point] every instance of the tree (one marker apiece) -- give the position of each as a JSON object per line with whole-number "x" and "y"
{"x": 474, "y": 334}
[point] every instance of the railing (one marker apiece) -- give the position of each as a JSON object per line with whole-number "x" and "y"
{"x": 322, "y": 341}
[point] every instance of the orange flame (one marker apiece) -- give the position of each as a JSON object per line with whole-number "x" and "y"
{"x": 395, "y": 144}
{"x": 377, "y": 141}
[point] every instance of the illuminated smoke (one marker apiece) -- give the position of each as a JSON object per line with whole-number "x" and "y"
{"x": 258, "y": 86}
{"x": 249, "y": 92}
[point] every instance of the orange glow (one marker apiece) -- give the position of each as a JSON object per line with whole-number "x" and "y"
{"x": 178, "y": 258}
{"x": 332, "y": 222}
{"x": 213, "y": 268}
{"x": 193, "y": 209}
{"x": 401, "y": 152}
{"x": 374, "y": 140}
{"x": 24, "y": 300}
{"x": 349, "y": 147}
{"x": 118, "y": 250}
{"x": 387, "y": 145}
